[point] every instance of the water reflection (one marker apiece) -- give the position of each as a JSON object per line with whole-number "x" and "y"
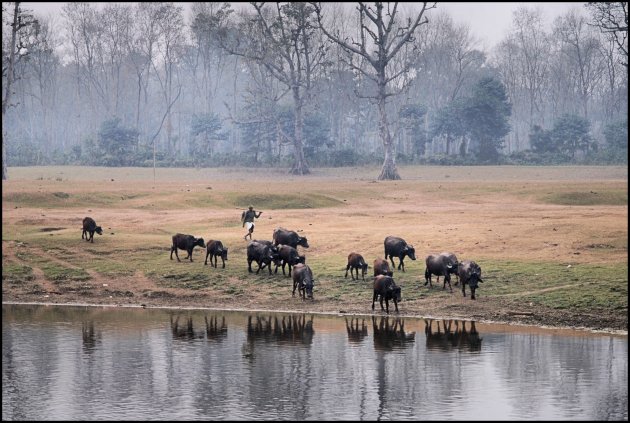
{"x": 91, "y": 338}
{"x": 73, "y": 363}
{"x": 184, "y": 331}
{"x": 214, "y": 331}
{"x": 390, "y": 334}
{"x": 451, "y": 336}
{"x": 292, "y": 329}
{"x": 356, "y": 333}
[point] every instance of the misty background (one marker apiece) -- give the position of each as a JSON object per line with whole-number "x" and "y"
{"x": 204, "y": 85}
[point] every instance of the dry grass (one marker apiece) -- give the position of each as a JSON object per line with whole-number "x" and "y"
{"x": 531, "y": 217}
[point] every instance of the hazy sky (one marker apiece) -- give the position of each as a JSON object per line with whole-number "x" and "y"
{"x": 488, "y": 22}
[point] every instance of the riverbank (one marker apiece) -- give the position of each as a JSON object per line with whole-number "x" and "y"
{"x": 551, "y": 242}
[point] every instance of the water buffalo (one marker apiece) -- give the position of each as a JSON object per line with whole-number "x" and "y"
{"x": 397, "y": 247}
{"x": 89, "y": 227}
{"x": 453, "y": 270}
{"x": 356, "y": 262}
{"x": 469, "y": 273}
{"x": 303, "y": 281}
{"x": 215, "y": 249}
{"x": 381, "y": 267}
{"x": 287, "y": 255}
{"x": 386, "y": 289}
{"x": 185, "y": 242}
{"x": 440, "y": 265}
{"x": 261, "y": 254}
{"x": 286, "y": 237}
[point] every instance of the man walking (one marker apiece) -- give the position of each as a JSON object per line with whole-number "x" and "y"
{"x": 247, "y": 218}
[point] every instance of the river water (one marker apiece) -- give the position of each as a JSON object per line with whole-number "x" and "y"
{"x": 109, "y": 363}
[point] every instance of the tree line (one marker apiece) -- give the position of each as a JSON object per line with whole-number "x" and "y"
{"x": 306, "y": 84}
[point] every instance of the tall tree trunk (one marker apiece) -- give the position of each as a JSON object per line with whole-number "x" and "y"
{"x": 7, "y": 93}
{"x": 389, "y": 170}
{"x": 299, "y": 165}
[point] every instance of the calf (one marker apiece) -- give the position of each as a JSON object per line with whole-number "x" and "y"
{"x": 356, "y": 262}
{"x": 261, "y": 254}
{"x": 185, "y": 242}
{"x": 286, "y": 237}
{"x": 397, "y": 247}
{"x": 287, "y": 255}
{"x": 381, "y": 267}
{"x": 469, "y": 273}
{"x": 215, "y": 249}
{"x": 440, "y": 265}
{"x": 89, "y": 227}
{"x": 385, "y": 288}
{"x": 303, "y": 281}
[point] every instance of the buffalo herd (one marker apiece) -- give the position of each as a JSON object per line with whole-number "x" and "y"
{"x": 282, "y": 252}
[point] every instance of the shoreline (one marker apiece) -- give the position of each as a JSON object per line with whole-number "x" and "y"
{"x": 607, "y": 331}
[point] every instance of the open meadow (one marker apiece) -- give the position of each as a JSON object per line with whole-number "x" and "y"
{"x": 552, "y": 242}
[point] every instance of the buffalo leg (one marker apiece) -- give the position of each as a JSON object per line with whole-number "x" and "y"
{"x": 347, "y": 267}
{"x": 374, "y": 299}
{"x": 206, "y": 262}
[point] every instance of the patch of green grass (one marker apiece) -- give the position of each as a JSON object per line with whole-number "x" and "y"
{"x": 63, "y": 199}
{"x": 16, "y": 274}
{"x": 556, "y": 285}
{"x": 613, "y": 197}
{"x": 57, "y": 273}
{"x": 283, "y": 201}
{"x": 193, "y": 279}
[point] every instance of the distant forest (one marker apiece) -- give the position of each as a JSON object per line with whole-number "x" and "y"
{"x": 302, "y": 85}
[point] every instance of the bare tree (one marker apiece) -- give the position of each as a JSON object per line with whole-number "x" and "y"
{"x": 580, "y": 47}
{"x": 382, "y": 35}
{"x": 169, "y": 48}
{"x": 284, "y": 39}
{"x": 17, "y": 48}
{"x": 523, "y": 59}
{"x": 612, "y": 19}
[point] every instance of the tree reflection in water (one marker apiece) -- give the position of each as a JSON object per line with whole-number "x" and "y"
{"x": 451, "y": 336}
{"x": 356, "y": 333}
{"x": 391, "y": 335}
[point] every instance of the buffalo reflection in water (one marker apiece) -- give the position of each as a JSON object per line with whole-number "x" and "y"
{"x": 391, "y": 335}
{"x": 452, "y": 336}
{"x": 288, "y": 330}
{"x": 90, "y": 337}
{"x": 214, "y": 331}
{"x": 356, "y": 333}
{"x": 185, "y": 332}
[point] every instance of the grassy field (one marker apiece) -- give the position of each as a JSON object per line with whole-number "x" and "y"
{"x": 552, "y": 242}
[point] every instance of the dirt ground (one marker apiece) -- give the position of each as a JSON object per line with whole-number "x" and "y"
{"x": 479, "y": 213}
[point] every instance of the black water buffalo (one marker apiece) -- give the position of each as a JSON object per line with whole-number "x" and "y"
{"x": 287, "y": 255}
{"x": 89, "y": 227}
{"x": 185, "y": 242}
{"x": 397, "y": 247}
{"x": 440, "y": 265}
{"x": 261, "y": 254}
{"x": 469, "y": 273}
{"x": 386, "y": 289}
{"x": 303, "y": 281}
{"x": 356, "y": 262}
{"x": 453, "y": 270}
{"x": 274, "y": 249}
{"x": 215, "y": 249}
{"x": 286, "y": 237}
{"x": 381, "y": 267}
